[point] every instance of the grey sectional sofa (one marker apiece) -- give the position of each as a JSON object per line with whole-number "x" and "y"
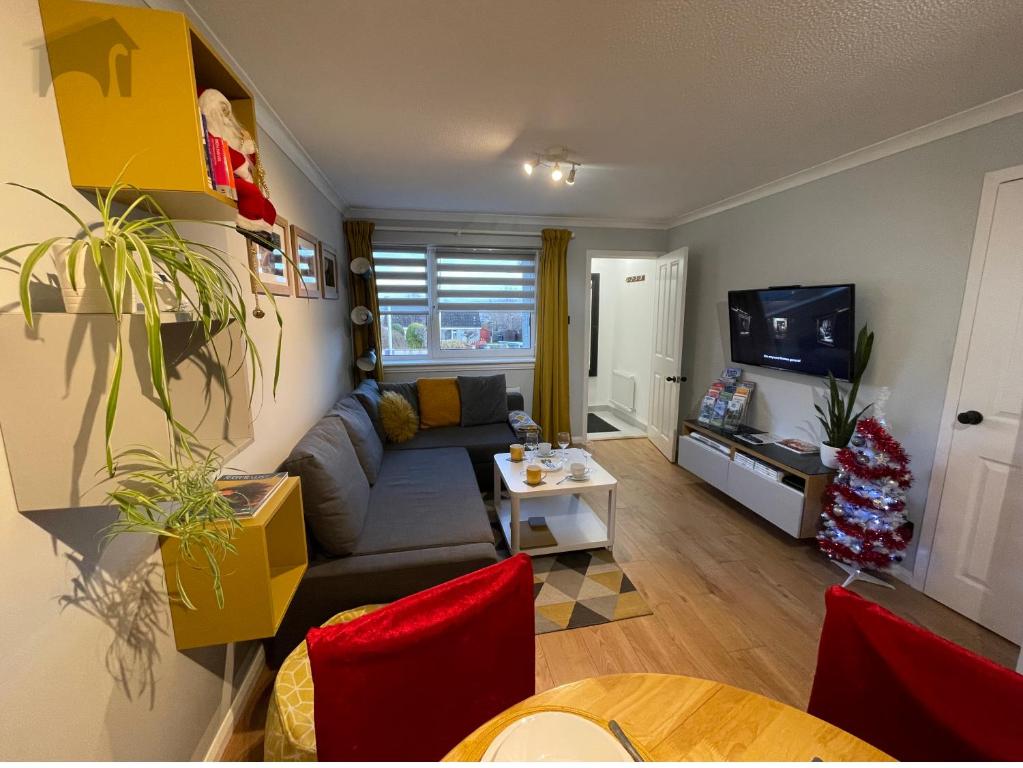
{"x": 383, "y": 520}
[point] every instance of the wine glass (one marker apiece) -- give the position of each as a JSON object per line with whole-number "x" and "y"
{"x": 530, "y": 443}
{"x": 564, "y": 440}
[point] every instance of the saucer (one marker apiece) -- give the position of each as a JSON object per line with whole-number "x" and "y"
{"x": 579, "y": 478}
{"x": 550, "y": 455}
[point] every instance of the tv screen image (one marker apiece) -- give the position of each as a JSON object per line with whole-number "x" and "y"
{"x": 808, "y": 330}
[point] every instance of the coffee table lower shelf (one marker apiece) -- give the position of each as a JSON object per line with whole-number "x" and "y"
{"x": 573, "y": 523}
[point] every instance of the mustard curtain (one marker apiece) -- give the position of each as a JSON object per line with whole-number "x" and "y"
{"x": 362, "y": 291}
{"x": 550, "y": 376}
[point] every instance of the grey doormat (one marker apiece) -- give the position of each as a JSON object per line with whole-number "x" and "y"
{"x": 596, "y": 424}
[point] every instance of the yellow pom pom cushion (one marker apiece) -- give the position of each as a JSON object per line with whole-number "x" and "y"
{"x": 398, "y": 418}
{"x": 290, "y": 731}
{"x": 440, "y": 404}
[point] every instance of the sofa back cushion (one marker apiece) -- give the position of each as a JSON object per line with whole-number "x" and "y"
{"x": 439, "y": 403}
{"x": 406, "y": 389}
{"x": 368, "y": 394}
{"x": 335, "y": 491}
{"x": 362, "y": 433}
{"x": 484, "y": 400}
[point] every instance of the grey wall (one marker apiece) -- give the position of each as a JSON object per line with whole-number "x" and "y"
{"x": 86, "y": 674}
{"x": 901, "y": 228}
{"x": 584, "y": 239}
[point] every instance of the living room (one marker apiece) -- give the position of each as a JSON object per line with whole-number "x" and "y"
{"x": 395, "y": 303}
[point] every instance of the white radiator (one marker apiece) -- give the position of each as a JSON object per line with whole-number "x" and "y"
{"x": 623, "y": 390}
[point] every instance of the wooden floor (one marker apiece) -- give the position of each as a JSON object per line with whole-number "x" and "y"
{"x": 733, "y": 598}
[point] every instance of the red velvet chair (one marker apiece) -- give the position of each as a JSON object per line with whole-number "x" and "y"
{"x": 909, "y": 692}
{"x": 411, "y": 680}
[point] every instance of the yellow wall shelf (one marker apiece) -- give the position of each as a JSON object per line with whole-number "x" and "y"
{"x": 259, "y": 580}
{"x": 126, "y": 83}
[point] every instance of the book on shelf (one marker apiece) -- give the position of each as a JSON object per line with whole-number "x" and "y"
{"x": 206, "y": 152}
{"x": 247, "y": 494}
{"x": 223, "y": 176}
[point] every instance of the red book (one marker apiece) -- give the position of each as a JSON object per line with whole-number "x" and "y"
{"x": 222, "y": 174}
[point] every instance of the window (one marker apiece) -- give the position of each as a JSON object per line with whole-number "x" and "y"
{"x": 456, "y": 303}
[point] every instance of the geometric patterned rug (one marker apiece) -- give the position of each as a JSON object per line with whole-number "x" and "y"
{"x": 581, "y": 589}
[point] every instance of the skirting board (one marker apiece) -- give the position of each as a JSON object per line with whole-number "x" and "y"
{"x": 246, "y": 691}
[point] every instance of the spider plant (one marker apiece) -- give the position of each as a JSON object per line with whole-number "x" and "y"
{"x": 129, "y": 250}
{"x": 839, "y": 422}
{"x": 176, "y": 498}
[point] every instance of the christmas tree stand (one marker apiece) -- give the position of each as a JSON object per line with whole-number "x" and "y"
{"x": 858, "y": 574}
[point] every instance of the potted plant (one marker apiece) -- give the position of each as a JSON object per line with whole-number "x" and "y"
{"x": 141, "y": 251}
{"x": 839, "y": 421}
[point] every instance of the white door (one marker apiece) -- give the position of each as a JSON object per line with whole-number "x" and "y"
{"x": 666, "y": 368}
{"x": 976, "y": 563}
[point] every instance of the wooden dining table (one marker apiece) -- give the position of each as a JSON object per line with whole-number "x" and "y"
{"x": 671, "y": 718}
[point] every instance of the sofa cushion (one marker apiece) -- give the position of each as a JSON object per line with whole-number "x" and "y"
{"x": 335, "y": 491}
{"x": 363, "y": 435}
{"x": 484, "y": 399}
{"x": 439, "y": 403}
{"x": 406, "y": 389}
{"x": 368, "y": 394}
{"x": 398, "y": 418}
{"x": 424, "y": 499}
{"x": 481, "y": 442}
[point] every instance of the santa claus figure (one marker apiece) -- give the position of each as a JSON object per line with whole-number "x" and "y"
{"x": 256, "y": 214}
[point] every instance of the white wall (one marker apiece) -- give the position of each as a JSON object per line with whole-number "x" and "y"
{"x": 84, "y": 677}
{"x": 901, "y": 228}
{"x": 625, "y": 333}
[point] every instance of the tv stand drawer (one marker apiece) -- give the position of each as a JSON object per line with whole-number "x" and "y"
{"x": 704, "y": 462}
{"x": 775, "y": 502}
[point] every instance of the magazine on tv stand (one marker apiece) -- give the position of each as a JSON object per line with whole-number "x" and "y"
{"x": 796, "y": 445}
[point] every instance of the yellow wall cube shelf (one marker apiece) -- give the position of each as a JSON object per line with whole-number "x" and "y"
{"x": 126, "y": 84}
{"x": 259, "y": 580}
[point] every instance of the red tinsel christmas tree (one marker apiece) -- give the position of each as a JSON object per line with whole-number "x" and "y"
{"x": 863, "y": 510}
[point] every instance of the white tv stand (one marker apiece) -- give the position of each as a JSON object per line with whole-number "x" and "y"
{"x": 795, "y": 510}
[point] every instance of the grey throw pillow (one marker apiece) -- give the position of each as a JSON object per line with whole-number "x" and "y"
{"x": 483, "y": 399}
{"x": 368, "y": 394}
{"x": 364, "y": 437}
{"x": 406, "y": 389}
{"x": 335, "y": 491}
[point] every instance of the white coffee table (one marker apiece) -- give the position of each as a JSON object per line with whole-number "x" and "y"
{"x": 573, "y": 523}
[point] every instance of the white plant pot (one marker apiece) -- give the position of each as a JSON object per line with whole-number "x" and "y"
{"x": 89, "y": 298}
{"x": 829, "y": 456}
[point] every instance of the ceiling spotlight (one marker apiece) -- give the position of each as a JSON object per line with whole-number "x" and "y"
{"x": 556, "y": 159}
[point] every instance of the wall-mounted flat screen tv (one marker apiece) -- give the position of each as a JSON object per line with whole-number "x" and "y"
{"x": 808, "y": 330}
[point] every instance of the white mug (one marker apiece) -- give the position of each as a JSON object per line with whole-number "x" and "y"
{"x": 545, "y": 449}
{"x": 577, "y": 468}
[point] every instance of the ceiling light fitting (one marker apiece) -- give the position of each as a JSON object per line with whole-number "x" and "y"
{"x": 554, "y": 159}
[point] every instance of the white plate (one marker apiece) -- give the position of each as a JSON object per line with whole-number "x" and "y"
{"x": 558, "y": 737}
{"x": 555, "y": 463}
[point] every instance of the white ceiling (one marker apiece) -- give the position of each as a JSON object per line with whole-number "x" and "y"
{"x": 671, "y": 105}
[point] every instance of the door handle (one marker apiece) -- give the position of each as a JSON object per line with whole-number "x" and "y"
{"x": 970, "y": 417}
{"x": 675, "y": 379}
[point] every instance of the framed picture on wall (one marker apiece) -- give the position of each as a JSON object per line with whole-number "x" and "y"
{"x": 329, "y": 275}
{"x": 305, "y": 251}
{"x": 271, "y": 265}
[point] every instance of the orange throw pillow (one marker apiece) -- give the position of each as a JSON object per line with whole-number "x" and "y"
{"x": 439, "y": 403}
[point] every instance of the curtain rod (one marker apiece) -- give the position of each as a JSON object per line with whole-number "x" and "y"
{"x": 453, "y": 231}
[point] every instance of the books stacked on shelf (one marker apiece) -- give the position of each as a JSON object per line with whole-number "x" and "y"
{"x": 218, "y": 163}
{"x": 762, "y": 469}
{"x": 711, "y": 443}
{"x": 248, "y": 493}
